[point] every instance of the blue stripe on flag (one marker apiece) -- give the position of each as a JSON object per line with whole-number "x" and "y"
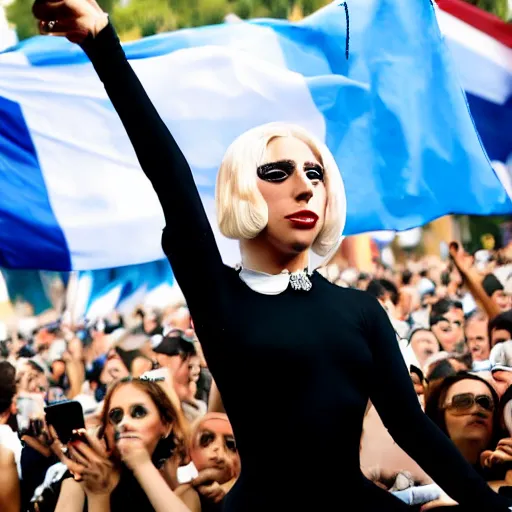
{"x": 378, "y": 131}
{"x": 494, "y": 124}
{"x": 27, "y": 223}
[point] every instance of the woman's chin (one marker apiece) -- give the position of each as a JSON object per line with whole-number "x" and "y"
{"x": 299, "y": 247}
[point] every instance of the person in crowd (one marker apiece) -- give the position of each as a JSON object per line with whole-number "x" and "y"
{"x": 447, "y": 323}
{"x": 444, "y": 364}
{"x": 280, "y": 194}
{"x": 477, "y": 337}
{"x": 424, "y": 344}
{"x": 496, "y": 291}
{"x": 215, "y": 458}
{"x": 10, "y": 495}
{"x": 499, "y": 460}
{"x": 465, "y": 407}
{"x": 140, "y": 431}
{"x": 178, "y": 355}
{"x": 387, "y": 294}
{"x": 152, "y": 322}
{"x": 501, "y": 366}
{"x": 8, "y": 436}
{"x": 500, "y": 328}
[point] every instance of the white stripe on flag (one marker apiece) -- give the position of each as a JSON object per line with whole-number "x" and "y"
{"x": 207, "y": 96}
{"x": 484, "y": 64}
{"x": 104, "y": 305}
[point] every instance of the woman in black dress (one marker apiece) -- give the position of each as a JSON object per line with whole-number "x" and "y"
{"x": 272, "y": 321}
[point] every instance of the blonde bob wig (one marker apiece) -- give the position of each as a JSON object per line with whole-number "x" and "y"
{"x": 242, "y": 212}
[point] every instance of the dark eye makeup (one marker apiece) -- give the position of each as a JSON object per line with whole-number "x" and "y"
{"x": 206, "y": 439}
{"x": 230, "y": 443}
{"x": 279, "y": 171}
{"x": 314, "y": 172}
{"x": 276, "y": 171}
{"x": 137, "y": 411}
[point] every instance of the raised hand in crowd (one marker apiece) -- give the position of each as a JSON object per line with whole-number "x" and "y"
{"x": 472, "y": 279}
{"x": 87, "y": 460}
{"x": 502, "y": 454}
{"x": 74, "y": 19}
{"x": 207, "y": 484}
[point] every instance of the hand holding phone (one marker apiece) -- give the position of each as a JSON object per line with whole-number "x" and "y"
{"x": 65, "y": 417}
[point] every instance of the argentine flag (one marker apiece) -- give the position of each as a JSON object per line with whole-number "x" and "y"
{"x": 372, "y": 78}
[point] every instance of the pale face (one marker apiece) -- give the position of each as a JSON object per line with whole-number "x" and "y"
{"x": 447, "y": 335}
{"x": 424, "y": 344}
{"x": 291, "y": 181}
{"x": 214, "y": 449}
{"x": 477, "y": 340}
{"x": 502, "y": 300}
{"x": 133, "y": 414}
{"x": 473, "y": 423}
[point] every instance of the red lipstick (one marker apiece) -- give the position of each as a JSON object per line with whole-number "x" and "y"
{"x": 304, "y": 219}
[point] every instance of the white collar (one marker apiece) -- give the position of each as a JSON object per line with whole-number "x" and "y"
{"x": 266, "y": 284}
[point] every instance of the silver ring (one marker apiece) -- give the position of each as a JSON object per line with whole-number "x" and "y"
{"x": 50, "y": 25}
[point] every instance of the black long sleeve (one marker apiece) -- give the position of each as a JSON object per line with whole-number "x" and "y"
{"x": 396, "y": 402}
{"x": 188, "y": 239}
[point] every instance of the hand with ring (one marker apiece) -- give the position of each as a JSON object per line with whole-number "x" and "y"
{"x": 74, "y": 19}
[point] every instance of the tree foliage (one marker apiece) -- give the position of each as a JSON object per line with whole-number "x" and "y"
{"x": 498, "y": 7}
{"x": 140, "y": 18}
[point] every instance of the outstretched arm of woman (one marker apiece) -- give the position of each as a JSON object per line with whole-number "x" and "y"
{"x": 188, "y": 239}
{"x": 399, "y": 408}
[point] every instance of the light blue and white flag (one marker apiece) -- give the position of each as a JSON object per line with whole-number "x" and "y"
{"x": 72, "y": 195}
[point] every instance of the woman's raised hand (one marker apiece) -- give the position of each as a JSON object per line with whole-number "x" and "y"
{"x": 89, "y": 463}
{"x": 74, "y": 19}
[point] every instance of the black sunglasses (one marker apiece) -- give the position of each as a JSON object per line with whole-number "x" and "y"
{"x": 465, "y": 401}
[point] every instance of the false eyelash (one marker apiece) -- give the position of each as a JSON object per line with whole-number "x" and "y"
{"x": 347, "y": 19}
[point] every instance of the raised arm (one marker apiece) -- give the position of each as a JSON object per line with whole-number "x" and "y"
{"x": 394, "y": 398}
{"x": 188, "y": 239}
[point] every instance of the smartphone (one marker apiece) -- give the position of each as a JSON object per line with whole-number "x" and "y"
{"x": 65, "y": 417}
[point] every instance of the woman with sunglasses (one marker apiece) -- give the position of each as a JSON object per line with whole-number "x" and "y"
{"x": 140, "y": 431}
{"x": 464, "y": 407}
{"x": 280, "y": 194}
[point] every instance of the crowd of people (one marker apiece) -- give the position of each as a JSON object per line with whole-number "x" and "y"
{"x": 145, "y": 375}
